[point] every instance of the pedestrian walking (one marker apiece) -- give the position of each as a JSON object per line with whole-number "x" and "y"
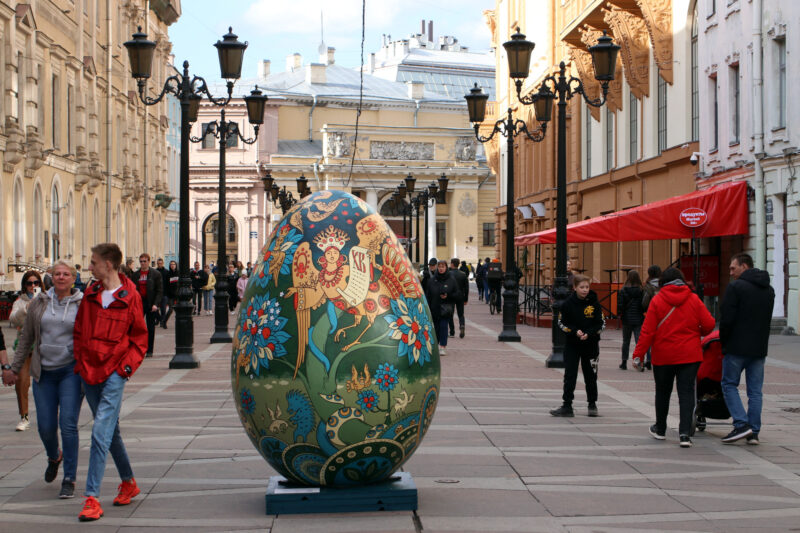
{"x": 164, "y": 302}
{"x": 171, "y": 283}
{"x": 428, "y": 274}
{"x": 241, "y": 285}
{"x": 675, "y": 322}
{"x": 442, "y": 293}
{"x": 462, "y": 282}
{"x": 629, "y": 309}
{"x": 208, "y": 290}
{"x": 233, "y": 295}
{"x": 31, "y": 286}
{"x": 746, "y": 313}
{"x": 128, "y": 268}
{"x": 110, "y": 343}
{"x": 79, "y": 284}
{"x": 494, "y": 282}
{"x": 480, "y": 281}
{"x": 151, "y": 289}
{"x": 46, "y": 346}
{"x": 199, "y": 279}
{"x": 581, "y": 319}
{"x": 650, "y": 289}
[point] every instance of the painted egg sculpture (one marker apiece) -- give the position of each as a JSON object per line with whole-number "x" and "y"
{"x": 335, "y": 365}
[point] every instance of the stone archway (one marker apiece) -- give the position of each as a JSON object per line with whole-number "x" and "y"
{"x": 210, "y": 240}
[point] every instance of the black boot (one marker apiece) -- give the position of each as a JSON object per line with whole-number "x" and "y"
{"x": 623, "y": 365}
{"x": 461, "y": 333}
{"x": 563, "y": 411}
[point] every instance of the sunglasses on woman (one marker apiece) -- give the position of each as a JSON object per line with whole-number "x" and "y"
{"x": 34, "y": 283}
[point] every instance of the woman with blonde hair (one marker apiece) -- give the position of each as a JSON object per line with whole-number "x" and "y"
{"x": 46, "y": 340}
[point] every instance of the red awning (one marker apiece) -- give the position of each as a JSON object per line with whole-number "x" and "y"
{"x": 725, "y": 206}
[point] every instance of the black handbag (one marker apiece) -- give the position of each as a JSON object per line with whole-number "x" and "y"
{"x": 446, "y": 310}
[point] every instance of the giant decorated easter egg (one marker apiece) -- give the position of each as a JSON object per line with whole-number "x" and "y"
{"x": 335, "y": 365}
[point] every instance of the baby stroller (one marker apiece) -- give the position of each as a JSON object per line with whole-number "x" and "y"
{"x": 710, "y": 403}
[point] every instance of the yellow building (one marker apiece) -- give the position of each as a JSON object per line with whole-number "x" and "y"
{"x": 82, "y": 159}
{"x": 312, "y": 128}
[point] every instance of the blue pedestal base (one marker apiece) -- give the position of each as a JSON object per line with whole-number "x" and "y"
{"x": 399, "y": 493}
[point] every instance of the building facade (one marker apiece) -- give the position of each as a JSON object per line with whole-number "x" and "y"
{"x": 311, "y": 128}
{"x": 82, "y": 159}
{"x": 748, "y": 133}
{"x": 634, "y": 150}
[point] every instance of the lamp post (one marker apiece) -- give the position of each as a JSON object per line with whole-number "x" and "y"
{"x": 604, "y": 58}
{"x": 189, "y": 90}
{"x": 224, "y": 131}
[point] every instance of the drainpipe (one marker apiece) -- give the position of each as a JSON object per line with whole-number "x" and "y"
{"x": 109, "y": 119}
{"x": 310, "y": 117}
{"x": 758, "y": 136}
{"x": 416, "y": 111}
{"x": 316, "y": 174}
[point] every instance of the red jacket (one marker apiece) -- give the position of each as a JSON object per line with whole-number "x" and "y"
{"x": 109, "y": 340}
{"x": 677, "y": 339}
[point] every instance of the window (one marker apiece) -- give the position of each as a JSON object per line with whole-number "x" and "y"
{"x": 38, "y": 237}
{"x": 233, "y": 138}
{"x": 633, "y": 128}
{"x": 695, "y": 88}
{"x": 18, "y": 208}
{"x": 588, "y": 141}
{"x": 488, "y": 234}
{"x": 735, "y": 111}
{"x": 208, "y": 139}
{"x": 54, "y": 112}
{"x": 780, "y": 46}
{"x": 55, "y": 222}
{"x": 609, "y": 139}
{"x": 662, "y": 114}
{"x": 441, "y": 233}
{"x": 715, "y": 117}
{"x": 70, "y": 103}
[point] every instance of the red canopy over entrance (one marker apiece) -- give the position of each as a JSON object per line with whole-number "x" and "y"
{"x": 725, "y": 206}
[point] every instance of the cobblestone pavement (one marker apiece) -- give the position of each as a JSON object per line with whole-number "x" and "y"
{"x": 493, "y": 460}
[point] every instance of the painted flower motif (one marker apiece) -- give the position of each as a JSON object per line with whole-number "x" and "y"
{"x": 408, "y": 323}
{"x": 261, "y": 334}
{"x": 247, "y": 401}
{"x": 367, "y": 400}
{"x": 278, "y": 255}
{"x": 386, "y": 377}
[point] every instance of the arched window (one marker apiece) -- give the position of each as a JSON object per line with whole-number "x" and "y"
{"x": 38, "y": 215}
{"x": 55, "y": 222}
{"x": 390, "y": 208}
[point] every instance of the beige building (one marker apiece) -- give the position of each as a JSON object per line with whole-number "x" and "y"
{"x": 310, "y": 129}
{"x": 83, "y": 161}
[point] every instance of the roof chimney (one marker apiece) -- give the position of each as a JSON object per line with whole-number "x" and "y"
{"x": 416, "y": 90}
{"x": 430, "y": 31}
{"x": 263, "y": 68}
{"x": 315, "y": 73}
{"x": 294, "y": 62}
{"x": 371, "y": 64}
{"x": 422, "y": 31}
{"x": 331, "y": 53}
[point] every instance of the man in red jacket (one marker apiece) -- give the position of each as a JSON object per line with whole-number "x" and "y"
{"x": 110, "y": 340}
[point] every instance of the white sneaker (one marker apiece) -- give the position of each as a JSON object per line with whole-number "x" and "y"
{"x": 24, "y": 424}
{"x": 442, "y": 351}
{"x": 209, "y": 313}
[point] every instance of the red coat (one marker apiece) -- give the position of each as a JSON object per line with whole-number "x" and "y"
{"x": 109, "y": 340}
{"x": 677, "y": 340}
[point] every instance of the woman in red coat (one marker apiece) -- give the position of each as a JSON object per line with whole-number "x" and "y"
{"x": 675, "y": 321}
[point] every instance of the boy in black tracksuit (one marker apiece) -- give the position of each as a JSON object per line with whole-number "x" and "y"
{"x": 581, "y": 320}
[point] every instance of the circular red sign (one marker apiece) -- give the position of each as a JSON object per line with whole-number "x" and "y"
{"x": 693, "y": 217}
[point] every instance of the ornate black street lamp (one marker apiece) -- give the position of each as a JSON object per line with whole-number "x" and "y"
{"x": 189, "y": 90}
{"x": 224, "y": 131}
{"x": 604, "y": 57}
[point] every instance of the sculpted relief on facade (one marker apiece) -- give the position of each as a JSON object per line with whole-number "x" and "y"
{"x": 631, "y": 34}
{"x": 658, "y": 20}
{"x": 417, "y": 151}
{"x": 465, "y": 149}
{"x": 589, "y": 38}
{"x": 338, "y": 145}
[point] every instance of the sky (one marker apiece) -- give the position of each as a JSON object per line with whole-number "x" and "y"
{"x": 277, "y": 28}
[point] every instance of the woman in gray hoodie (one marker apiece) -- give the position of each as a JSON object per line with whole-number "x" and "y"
{"x": 46, "y": 339}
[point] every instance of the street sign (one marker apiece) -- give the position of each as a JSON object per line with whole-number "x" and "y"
{"x": 693, "y": 217}
{"x": 254, "y": 235}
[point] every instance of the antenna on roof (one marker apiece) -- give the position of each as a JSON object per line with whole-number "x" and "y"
{"x": 322, "y": 48}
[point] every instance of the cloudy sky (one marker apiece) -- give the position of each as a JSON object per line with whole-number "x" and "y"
{"x": 277, "y": 28}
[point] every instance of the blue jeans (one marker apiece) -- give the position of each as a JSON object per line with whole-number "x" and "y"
{"x": 207, "y": 297}
{"x": 481, "y": 288}
{"x": 58, "y": 399}
{"x": 105, "y": 401}
{"x": 732, "y": 367}
{"x": 442, "y": 330}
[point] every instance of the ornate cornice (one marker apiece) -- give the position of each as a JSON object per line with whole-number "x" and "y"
{"x": 658, "y": 20}
{"x": 631, "y": 34}
{"x": 583, "y": 62}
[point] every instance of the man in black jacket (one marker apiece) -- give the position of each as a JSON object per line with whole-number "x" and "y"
{"x": 151, "y": 288}
{"x": 199, "y": 280}
{"x": 162, "y": 305}
{"x": 428, "y": 274}
{"x": 462, "y": 282}
{"x": 746, "y": 313}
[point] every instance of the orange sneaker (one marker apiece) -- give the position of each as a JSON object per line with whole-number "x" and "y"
{"x": 91, "y": 510}
{"x": 126, "y": 491}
